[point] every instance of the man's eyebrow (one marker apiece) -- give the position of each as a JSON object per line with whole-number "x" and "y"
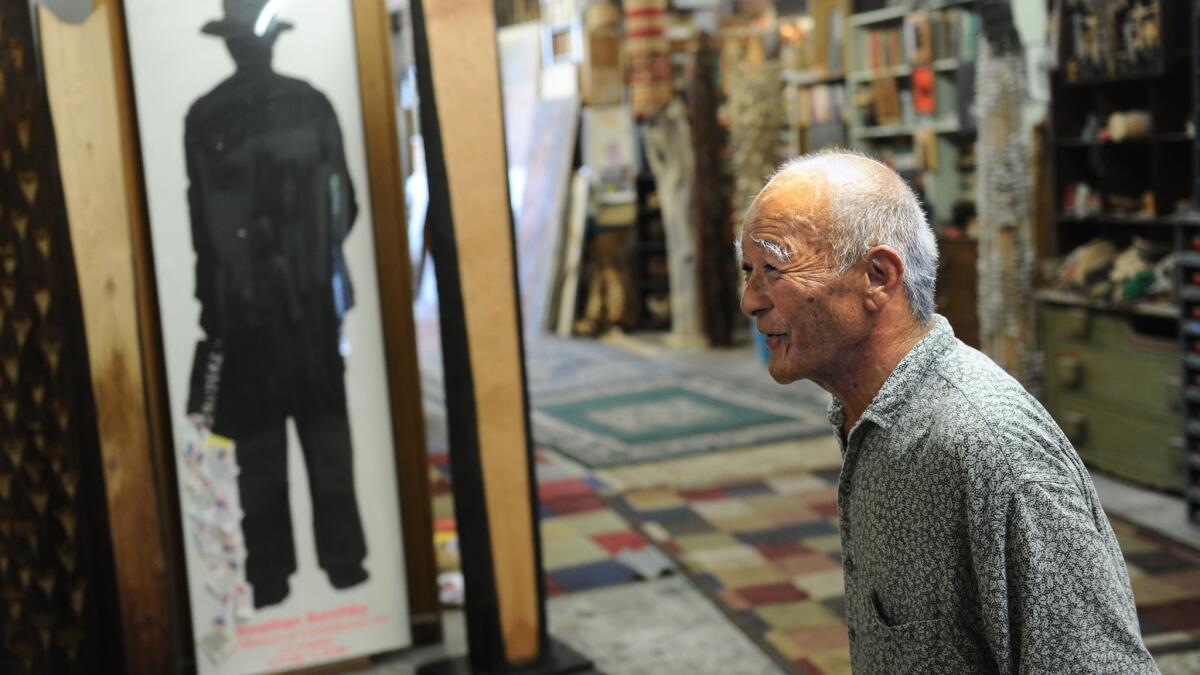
{"x": 776, "y": 250}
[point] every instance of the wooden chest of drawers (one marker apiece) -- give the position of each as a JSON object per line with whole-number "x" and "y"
{"x": 1112, "y": 382}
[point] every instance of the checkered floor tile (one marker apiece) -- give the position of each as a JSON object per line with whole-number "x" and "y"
{"x": 582, "y": 536}
{"x": 767, "y": 552}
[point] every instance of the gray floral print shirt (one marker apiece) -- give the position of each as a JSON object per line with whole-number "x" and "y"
{"x": 972, "y": 537}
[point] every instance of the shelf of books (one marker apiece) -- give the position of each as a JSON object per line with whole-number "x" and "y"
{"x": 908, "y": 91}
{"x": 813, "y": 56}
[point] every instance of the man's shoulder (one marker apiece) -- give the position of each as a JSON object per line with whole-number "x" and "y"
{"x": 203, "y": 106}
{"x": 983, "y": 391}
{"x": 985, "y": 417}
{"x": 294, "y": 86}
{"x": 237, "y": 95}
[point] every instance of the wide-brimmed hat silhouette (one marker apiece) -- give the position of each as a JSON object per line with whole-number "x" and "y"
{"x": 246, "y": 18}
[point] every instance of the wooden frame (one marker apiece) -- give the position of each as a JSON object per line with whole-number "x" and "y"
{"x": 139, "y": 454}
{"x": 376, "y": 80}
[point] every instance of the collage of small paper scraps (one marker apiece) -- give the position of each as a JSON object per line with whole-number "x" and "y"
{"x": 213, "y": 516}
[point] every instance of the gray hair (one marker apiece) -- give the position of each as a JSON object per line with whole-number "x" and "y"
{"x": 870, "y": 205}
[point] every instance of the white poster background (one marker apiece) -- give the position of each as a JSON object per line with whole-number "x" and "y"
{"x": 173, "y": 64}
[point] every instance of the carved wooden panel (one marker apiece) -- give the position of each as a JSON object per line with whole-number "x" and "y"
{"x": 55, "y": 566}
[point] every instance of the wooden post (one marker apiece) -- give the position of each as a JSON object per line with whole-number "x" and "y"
{"x": 471, "y": 235}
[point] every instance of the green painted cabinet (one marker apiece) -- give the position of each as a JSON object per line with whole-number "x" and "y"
{"x": 1112, "y": 382}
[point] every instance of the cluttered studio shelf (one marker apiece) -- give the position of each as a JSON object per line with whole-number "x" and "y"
{"x": 1121, "y": 345}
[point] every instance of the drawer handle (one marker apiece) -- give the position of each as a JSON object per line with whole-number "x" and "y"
{"x": 1078, "y": 323}
{"x": 1174, "y": 392}
{"x": 1070, "y": 371}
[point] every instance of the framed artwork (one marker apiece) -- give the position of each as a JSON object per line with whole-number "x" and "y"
{"x": 285, "y": 341}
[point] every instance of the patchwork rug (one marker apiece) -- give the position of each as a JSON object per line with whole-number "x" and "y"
{"x": 767, "y": 552}
{"x": 585, "y": 544}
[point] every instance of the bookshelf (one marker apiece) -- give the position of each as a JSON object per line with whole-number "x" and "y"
{"x": 909, "y": 85}
{"x": 1191, "y": 450}
{"x": 813, "y": 59}
{"x": 910, "y": 78}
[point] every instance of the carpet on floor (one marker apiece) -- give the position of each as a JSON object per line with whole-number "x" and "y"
{"x": 768, "y": 553}
{"x": 585, "y": 544}
{"x": 652, "y": 419}
{"x": 603, "y": 406}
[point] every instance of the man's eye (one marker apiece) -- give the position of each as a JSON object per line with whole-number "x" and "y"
{"x": 747, "y": 270}
{"x": 770, "y": 269}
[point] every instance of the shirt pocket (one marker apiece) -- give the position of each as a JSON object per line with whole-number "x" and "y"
{"x": 924, "y": 646}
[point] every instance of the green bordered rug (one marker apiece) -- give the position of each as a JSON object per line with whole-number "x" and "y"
{"x": 604, "y": 406}
{"x": 669, "y": 416}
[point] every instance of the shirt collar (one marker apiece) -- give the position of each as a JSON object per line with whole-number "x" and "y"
{"x": 900, "y": 386}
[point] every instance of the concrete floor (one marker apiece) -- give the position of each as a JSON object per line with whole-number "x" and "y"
{"x": 655, "y": 627}
{"x": 1153, "y": 510}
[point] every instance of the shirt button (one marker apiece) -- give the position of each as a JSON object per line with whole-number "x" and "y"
{"x": 851, "y": 634}
{"x": 848, "y": 565}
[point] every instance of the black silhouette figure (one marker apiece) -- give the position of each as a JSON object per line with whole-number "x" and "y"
{"x": 271, "y": 203}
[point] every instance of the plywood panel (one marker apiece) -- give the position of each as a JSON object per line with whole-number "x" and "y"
{"x": 466, "y": 82}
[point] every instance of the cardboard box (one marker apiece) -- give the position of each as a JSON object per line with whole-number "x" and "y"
{"x": 601, "y": 76}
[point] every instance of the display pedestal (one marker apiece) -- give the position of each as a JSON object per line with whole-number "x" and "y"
{"x": 560, "y": 660}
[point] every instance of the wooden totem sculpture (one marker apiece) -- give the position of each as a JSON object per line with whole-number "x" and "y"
{"x": 668, "y": 147}
{"x": 716, "y": 268}
{"x": 1006, "y": 264}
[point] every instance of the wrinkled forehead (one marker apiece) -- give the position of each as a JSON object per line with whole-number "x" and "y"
{"x": 789, "y": 206}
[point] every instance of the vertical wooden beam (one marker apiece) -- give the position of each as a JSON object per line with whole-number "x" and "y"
{"x": 82, "y": 87}
{"x": 377, "y": 87}
{"x": 471, "y": 234}
{"x": 473, "y": 142}
{"x": 162, "y": 444}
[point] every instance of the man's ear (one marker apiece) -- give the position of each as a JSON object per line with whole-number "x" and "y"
{"x": 885, "y": 277}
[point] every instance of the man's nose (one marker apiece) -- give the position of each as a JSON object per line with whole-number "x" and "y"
{"x": 754, "y": 301}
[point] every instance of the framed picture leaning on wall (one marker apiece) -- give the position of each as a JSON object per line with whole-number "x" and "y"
{"x": 286, "y": 364}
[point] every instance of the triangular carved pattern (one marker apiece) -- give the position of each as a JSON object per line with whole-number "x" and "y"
{"x": 44, "y": 565}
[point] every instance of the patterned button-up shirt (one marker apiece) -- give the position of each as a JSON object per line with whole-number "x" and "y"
{"x": 972, "y": 537}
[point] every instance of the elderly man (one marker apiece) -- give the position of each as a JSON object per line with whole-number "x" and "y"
{"x": 972, "y": 537}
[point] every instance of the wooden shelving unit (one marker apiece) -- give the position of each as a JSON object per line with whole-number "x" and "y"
{"x": 875, "y": 56}
{"x": 1190, "y": 328}
{"x": 814, "y": 91}
{"x": 651, "y": 284}
{"x": 930, "y": 146}
{"x": 1114, "y": 368}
